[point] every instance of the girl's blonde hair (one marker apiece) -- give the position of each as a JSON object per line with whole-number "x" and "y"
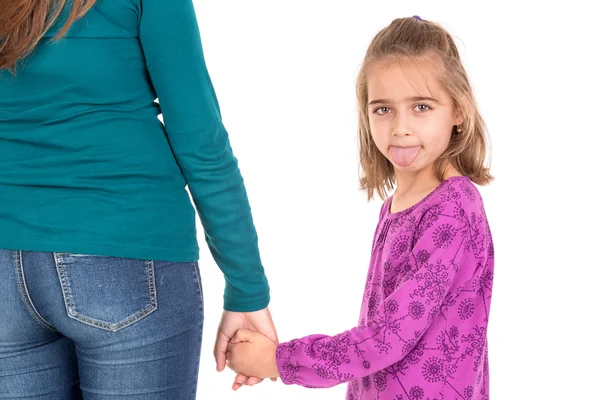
{"x": 414, "y": 40}
{"x": 23, "y": 23}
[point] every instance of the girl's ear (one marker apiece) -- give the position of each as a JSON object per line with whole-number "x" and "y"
{"x": 458, "y": 120}
{"x": 458, "y": 117}
{"x": 460, "y": 112}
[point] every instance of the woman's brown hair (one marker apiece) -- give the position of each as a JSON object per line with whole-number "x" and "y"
{"x": 414, "y": 40}
{"x": 23, "y": 23}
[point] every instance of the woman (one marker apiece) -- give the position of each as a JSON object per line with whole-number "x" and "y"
{"x": 100, "y": 291}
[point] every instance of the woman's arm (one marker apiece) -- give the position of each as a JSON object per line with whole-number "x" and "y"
{"x": 171, "y": 42}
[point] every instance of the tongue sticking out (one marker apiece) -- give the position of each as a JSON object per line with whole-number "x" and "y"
{"x": 404, "y": 156}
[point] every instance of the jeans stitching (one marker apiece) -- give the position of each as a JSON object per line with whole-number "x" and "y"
{"x": 101, "y": 324}
{"x": 25, "y": 292}
{"x": 64, "y": 282}
{"x": 198, "y": 282}
{"x": 151, "y": 282}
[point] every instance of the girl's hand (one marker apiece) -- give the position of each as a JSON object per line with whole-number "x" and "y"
{"x": 252, "y": 354}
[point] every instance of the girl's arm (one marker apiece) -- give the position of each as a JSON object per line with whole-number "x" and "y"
{"x": 447, "y": 256}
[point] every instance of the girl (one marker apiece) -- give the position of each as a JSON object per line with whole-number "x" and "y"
{"x": 100, "y": 290}
{"x": 422, "y": 327}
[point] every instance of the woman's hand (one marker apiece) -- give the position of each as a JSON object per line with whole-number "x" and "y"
{"x": 258, "y": 321}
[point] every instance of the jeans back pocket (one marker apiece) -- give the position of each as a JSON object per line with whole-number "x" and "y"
{"x": 110, "y": 293}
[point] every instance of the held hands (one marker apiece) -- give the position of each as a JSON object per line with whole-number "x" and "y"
{"x": 231, "y": 322}
{"x": 252, "y": 354}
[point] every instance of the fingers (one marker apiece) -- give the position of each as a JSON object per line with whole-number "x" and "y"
{"x": 253, "y": 381}
{"x": 240, "y": 380}
{"x": 220, "y": 351}
{"x": 274, "y": 337}
{"x": 262, "y": 321}
{"x": 242, "y": 335}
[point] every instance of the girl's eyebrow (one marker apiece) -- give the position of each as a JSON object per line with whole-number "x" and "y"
{"x": 407, "y": 99}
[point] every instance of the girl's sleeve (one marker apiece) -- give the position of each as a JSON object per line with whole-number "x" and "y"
{"x": 170, "y": 38}
{"x": 442, "y": 260}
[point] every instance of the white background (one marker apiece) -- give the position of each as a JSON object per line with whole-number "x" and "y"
{"x": 284, "y": 74}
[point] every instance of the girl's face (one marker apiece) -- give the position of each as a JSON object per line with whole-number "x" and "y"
{"x": 410, "y": 116}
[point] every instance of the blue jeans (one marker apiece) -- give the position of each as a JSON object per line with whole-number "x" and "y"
{"x": 78, "y": 326}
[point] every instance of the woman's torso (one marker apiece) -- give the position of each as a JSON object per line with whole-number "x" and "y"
{"x": 85, "y": 163}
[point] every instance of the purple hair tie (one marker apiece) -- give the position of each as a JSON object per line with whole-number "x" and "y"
{"x": 417, "y": 17}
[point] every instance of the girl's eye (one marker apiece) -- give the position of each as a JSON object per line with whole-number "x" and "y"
{"x": 382, "y": 110}
{"x": 422, "y": 107}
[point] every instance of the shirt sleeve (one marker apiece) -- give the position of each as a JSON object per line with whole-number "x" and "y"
{"x": 170, "y": 38}
{"x": 443, "y": 263}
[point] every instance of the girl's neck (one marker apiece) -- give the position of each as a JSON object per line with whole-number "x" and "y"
{"x": 412, "y": 188}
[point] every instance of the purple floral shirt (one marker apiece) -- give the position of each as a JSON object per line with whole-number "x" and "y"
{"x": 422, "y": 332}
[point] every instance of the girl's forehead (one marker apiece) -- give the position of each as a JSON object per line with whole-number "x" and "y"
{"x": 404, "y": 79}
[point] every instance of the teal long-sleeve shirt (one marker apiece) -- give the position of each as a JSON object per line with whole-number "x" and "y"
{"x": 87, "y": 167}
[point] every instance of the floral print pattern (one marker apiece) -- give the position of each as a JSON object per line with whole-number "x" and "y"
{"x": 422, "y": 333}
